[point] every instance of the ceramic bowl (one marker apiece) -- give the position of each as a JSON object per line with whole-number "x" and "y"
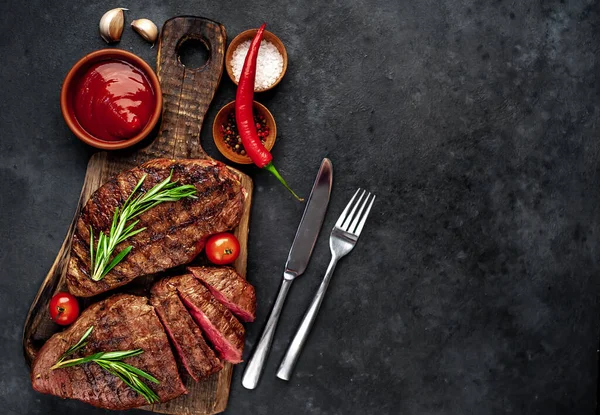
{"x": 227, "y": 151}
{"x": 79, "y": 69}
{"x": 249, "y": 35}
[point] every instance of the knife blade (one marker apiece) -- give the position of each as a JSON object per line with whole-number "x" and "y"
{"x": 311, "y": 222}
{"x": 298, "y": 258}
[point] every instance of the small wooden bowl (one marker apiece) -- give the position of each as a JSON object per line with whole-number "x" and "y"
{"x": 221, "y": 118}
{"x": 249, "y": 35}
{"x": 79, "y": 70}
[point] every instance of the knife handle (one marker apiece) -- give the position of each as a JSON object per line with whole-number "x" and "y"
{"x": 295, "y": 348}
{"x": 256, "y": 363}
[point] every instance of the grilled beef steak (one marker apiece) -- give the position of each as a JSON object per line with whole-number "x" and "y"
{"x": 233, "y": 291}
{"x": 222, "y": 329}
{"x": 196, "y": 356}
{"x": 121, "y": 322}
{"x": 174, "y": 230}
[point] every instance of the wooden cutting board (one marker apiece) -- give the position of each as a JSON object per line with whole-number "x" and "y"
{"x": 187, "y": 94}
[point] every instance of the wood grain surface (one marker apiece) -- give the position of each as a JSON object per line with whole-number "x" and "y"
{"x": 187, "y": 94}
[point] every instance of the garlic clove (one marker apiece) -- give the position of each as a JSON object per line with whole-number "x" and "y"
{"x": 111, "y": 25}
{"x": 146, "y": 29}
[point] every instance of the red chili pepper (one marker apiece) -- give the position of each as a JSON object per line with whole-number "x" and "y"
{"x": 244, "y": 115}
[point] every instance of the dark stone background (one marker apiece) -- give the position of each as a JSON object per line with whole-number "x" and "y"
{"x": 474, "y": 288}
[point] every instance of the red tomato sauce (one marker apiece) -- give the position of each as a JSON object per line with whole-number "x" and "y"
{"x": 113, "y": 100}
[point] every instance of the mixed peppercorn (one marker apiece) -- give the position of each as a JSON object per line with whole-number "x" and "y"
{"x": 232, "y": 138}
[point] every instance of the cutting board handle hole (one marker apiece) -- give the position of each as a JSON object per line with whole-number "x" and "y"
{"x": 193, "y": 53}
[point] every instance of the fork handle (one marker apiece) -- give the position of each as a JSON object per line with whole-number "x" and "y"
{"x": 295, "y": 348}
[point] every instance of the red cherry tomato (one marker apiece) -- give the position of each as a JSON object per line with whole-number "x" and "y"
{"x": 222, "y": 248}
{"x": 64, "y": 309}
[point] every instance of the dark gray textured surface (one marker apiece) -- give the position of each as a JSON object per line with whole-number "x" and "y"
{"x": 474, "y": 288}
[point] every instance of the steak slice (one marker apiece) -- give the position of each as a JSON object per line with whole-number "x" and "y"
{"x": 197, "y": 357}
{"x": 231, "y": 289}
{"x": 121, "y": 322}
{"x": 174, "y": 230}
{"x": 222, "y": 329}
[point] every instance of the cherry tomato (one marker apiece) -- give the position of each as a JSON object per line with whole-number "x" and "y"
{"x": 64, "y": 309}
{"x": 222, "y": 248}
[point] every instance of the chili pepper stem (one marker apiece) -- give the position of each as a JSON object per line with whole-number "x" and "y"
{"x": 271, "y": 168}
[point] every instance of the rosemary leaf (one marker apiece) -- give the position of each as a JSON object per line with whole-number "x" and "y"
{"x": 120, "y": 355}
{"x": 79, "y": 345}
{"x": 128, "y": 232}
{"x": 118, "y": 258}
{"x": 78, "y": 361}
{"x": 130, "y": 379}
{"x": 91, "y": 250}
{"x": 140, "y": 373}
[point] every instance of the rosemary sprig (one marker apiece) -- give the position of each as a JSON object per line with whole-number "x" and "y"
{"x": 112, "y": 363}
{"x": 79, "y": 345}
{"x": 165, "y": 191}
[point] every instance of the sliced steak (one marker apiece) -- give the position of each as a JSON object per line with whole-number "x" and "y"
{"x": 197, "y": 357}
{"x": 231, "y": 289}
{"x": 121, "y": 322}
{"x": 174, "y": 230}
{"x": 222, "y": 329}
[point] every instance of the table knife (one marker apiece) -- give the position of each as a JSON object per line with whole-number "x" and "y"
{"x": 298, "y": 258}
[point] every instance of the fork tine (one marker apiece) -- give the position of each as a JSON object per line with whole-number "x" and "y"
{"x": 356, "y": 218}
{"x": 348, "y": 219}
{"x": 339, "y": 222}
{"x": 364, "y": 218}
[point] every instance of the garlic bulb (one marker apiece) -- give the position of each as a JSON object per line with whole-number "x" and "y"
{"x": 111, "y": 25}
{"x": 146, "y": 29}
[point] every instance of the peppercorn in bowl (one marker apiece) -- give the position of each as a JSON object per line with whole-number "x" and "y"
{"x": 227, "y": 138}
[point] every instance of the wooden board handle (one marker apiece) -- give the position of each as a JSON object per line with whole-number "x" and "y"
{"x": 187, "y": 92}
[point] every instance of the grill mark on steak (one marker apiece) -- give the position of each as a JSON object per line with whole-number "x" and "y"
{"x": 197, "y": 357}
{"x": 121, "y": 322}
{"x": 91, "y": 379}
{"x": 173, "y": 228}
{"x": 232, "y": 290}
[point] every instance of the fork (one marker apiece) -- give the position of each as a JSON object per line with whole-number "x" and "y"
{"x": 343, "y": 238}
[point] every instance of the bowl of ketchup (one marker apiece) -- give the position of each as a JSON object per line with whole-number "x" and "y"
{"x": 111, "y": 99}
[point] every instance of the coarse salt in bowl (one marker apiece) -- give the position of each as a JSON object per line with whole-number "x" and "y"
{"x": 271, "y": 63}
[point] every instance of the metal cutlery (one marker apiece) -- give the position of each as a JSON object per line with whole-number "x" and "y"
{"x": 300, "y": 252}
{"x": 343, "y": 238}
